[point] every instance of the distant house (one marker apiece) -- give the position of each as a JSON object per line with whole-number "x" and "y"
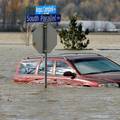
{"x": 117, "y": 24}
{"x": 94, "y": 26}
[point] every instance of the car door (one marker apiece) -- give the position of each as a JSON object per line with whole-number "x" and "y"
{"x": 50, "y": 72}
{"x": 61, "y": 67}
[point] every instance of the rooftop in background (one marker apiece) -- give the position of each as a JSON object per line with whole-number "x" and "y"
{"x": 94, "y": 26}
{"x": 117, "y": 24}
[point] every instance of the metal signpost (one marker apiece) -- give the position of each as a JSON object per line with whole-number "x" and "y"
{"x": 45, "y": 50}
{"x": 44, "y": 14}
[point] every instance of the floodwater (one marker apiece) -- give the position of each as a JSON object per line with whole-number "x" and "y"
{"x": 34, "y": 102}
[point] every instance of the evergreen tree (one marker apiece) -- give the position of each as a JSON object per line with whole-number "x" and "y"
{"x": 74, "y": 37}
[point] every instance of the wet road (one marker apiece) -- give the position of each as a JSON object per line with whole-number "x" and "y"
{"x": 34, "y": 102}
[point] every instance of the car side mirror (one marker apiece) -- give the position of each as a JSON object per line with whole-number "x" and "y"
{"x": 69, "y": 74}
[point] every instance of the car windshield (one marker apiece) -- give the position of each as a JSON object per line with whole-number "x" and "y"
{"x": 95, "y": 66}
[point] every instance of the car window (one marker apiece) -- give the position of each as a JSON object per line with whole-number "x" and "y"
{"x": 28, "y": 67}
{"x": 50, "y": 64}
{"x": 92, "y": 66}
{"x": 62, "y": 67}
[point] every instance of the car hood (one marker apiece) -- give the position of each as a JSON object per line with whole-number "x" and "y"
{"x": 104, "y": 77}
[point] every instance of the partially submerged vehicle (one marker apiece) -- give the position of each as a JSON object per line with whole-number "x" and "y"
{"x": 90, "y": 70}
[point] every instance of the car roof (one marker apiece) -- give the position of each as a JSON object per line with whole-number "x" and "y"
{"x": 81, "y": 56}
{"x": 69, "y": 56}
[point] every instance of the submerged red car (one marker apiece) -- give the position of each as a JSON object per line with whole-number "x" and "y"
{"x": 91, "y": 70}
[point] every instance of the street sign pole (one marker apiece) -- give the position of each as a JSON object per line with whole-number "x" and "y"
{"x": 44, "y": 14}
{"x": 45, "y": 50}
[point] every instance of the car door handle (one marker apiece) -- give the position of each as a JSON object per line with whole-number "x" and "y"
{"x": 55, "y": 79}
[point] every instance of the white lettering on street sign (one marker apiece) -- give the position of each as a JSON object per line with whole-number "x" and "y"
{"x": 46, "y": 9}
{"x": 43, "y": 18}
{"x": 32, "y": 18}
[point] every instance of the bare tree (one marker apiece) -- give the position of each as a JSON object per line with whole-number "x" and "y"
{"x": 4, "y": 12}
{"x": 14, "y": 10}
{"x": 69, "y": 10}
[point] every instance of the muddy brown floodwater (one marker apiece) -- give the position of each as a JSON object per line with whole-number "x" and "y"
{"x": 34, "y": 102}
